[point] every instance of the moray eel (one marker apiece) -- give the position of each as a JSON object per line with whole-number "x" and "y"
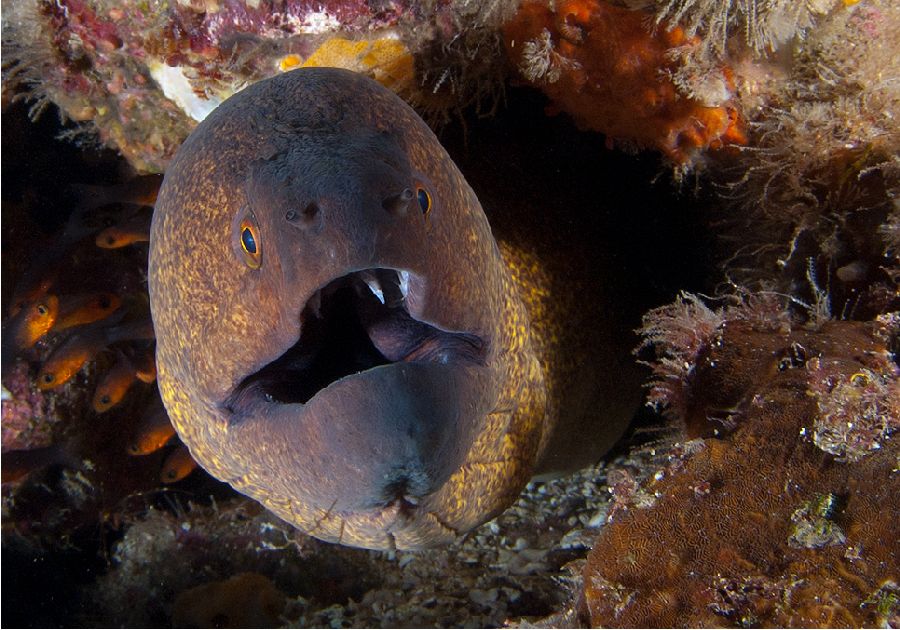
{"x": 339, "y": 335}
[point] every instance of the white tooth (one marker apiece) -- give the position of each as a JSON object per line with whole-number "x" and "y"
{"x": 404, "y": 283}
{"x": 376, "y": 289}
{"x": 315, "y": 304}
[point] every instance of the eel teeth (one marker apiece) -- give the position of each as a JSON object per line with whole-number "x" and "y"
{"x": 315, "y": 304}
{"x": 375, "y": 287}
{"x": 390, "y": 286}
{"x": 404, "y": 283}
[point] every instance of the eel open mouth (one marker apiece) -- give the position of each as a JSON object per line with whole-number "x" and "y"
{"x": 352, "y": 324}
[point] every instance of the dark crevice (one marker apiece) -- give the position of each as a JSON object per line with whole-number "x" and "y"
{"x": 334, "y": 344}
{"x": 346, "y": 329}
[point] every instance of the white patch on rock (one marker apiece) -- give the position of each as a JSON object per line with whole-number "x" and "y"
{"x": 178, "y": 89}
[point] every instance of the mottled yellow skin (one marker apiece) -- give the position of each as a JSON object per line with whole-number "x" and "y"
{"x": 218, "y": 320}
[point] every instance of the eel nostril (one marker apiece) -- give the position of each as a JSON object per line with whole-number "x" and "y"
{"x": 311, "y": 210}
{"x": 306, "y": 216}
{"x": 398, "y": 203}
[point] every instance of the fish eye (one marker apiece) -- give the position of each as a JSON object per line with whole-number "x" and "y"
{"x": 42, "y": 309}
{"x": 48, "y": 377}
{"x": 248, "y": 241}
{"x": 424, "y": 200}
{"x": 248, "y": 234}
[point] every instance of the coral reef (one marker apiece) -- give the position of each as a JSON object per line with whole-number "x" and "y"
{"x": 782, "y": 510}
{"x": 774, "y": 508}
{"x": 107, "y": 544}
{"x": 821, "y": 169}
{"x": 804, "y": 96}
{"x": 143, "y": 73}
{"x": 808, "y": 87}
{"x": 602, "y": 65}
{"x": 762, "y": 25}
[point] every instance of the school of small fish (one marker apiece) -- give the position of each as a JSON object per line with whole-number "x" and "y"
{"x": 64, "y": 332}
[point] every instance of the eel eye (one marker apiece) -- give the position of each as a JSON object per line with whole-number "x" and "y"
{"x": 249, "y": 236}
{"x": 424, "y": 200}
{"x": 42, "y": 309}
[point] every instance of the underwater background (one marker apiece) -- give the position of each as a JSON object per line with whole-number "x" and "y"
{"x": 743, "y": 175}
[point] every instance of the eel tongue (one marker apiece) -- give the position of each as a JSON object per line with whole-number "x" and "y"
{"x": 395, "y": 334}
{"x": 400, "y": 337}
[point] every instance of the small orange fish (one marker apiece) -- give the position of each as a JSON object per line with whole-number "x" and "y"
{"x": 137, "y": 191}
{"x": 145, "y": 369}
{"x": 82, "y": 346}
{"x": 134, "y": 230}
{"x": 19, "y": 464}
{"x": 131, "y": 331}
{"x": 178, "y": 465}
{"x": 32, "y": 322}
{"x": 68, "y": 358}
{"x": 153, "y": 432}
{"x": 35, "y": 290}
{"x": 114, "y": 385}
{"x": 85, "y": 309}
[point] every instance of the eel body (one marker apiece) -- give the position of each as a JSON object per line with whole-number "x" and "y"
{"x": 341, "y": 337}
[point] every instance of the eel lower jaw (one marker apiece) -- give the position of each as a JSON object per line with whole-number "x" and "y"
{"x": 353, "y": 324}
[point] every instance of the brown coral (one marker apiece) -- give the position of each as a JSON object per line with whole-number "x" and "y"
{"x": 760, "y": 527}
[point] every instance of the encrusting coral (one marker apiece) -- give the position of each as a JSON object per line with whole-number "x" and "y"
{"x": 602, "y": 65}
{"x": 141, "y": 74}
{"x": 761, "y": 521}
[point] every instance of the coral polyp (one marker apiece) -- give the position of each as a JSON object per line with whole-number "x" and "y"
{"x": 764, "y": 25}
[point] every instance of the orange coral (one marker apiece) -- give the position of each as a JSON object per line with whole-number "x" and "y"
{"x": 759, "y": 526}
{"x": 386, "y": 60}
{"x": 602, "y": 65}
